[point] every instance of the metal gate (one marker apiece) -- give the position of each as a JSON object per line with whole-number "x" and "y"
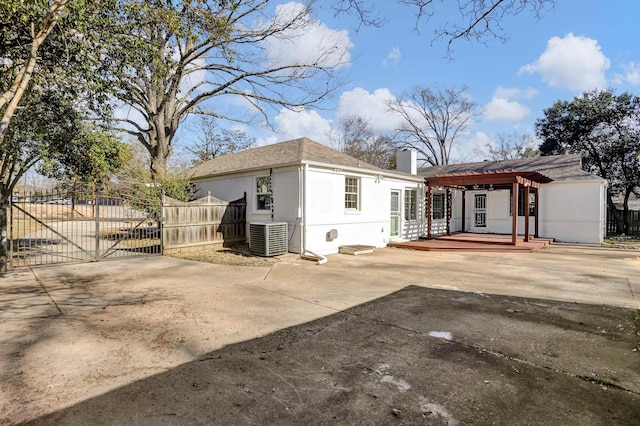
{"x": 81, "y": 226}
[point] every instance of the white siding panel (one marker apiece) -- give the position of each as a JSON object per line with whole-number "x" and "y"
{"x": 572, "y": 212}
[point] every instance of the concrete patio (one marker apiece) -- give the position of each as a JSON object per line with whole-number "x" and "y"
{"x": 86, "y": 340}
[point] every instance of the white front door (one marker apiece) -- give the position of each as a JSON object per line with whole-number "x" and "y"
{"x": 394, "y": 227}
{"x": 480, "y": 212}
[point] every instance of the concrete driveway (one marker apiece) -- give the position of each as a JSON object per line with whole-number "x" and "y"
{"x": 131, "y": 340}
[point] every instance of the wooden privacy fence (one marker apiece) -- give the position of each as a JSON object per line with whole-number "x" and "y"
{"x": 616, "y": 221}
{"x": 205, "y": 221}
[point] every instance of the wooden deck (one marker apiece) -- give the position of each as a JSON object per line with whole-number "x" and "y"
{"x": 475, "y": 242}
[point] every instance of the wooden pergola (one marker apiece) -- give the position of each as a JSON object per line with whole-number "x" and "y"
{"x": 502, "y": 179}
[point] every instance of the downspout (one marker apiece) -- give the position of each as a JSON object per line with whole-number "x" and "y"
{"x": 423, "y": 216}
{"x": 301, "y": 206}
{"x": 304, "y": 252}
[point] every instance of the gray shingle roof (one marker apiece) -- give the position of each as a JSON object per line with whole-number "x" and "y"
{"x": 297, "y": 151}
{"x": 557, "y": 167}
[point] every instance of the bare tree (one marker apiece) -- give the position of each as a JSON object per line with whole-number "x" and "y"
{"x": 433, "y": 120}
{"x": 477, "y": 20}
{"x": 168, "y": 60}
{"x": 504, "y": 146}
{"x": 213, "y": 142}
{"x": 355, "y": 137}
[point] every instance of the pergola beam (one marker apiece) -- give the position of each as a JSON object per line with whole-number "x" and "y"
{"x": 532, "y": 179}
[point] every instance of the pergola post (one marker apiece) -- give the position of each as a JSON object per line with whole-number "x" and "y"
{"x": 526, "y": 213}
{"x": 514, "y": 214}
{"x": 536, "y": 210}
{"x": 464, "y": 208}
{"x": 429, "y": 210}
{"x": 448, "y": 198}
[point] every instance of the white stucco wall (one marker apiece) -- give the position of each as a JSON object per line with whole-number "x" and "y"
{"x": 369, "y": 225}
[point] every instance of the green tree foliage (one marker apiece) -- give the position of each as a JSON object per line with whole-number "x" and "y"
{"x": 213, "y": 142}
{"x": 167, "y": 60}
{"x": 41, "y": 45}
{"x": 356, "y": 138}
{"x": 605, "y": 129}
{"x": 92, "y": 156}
{"x": 137, "y": 183}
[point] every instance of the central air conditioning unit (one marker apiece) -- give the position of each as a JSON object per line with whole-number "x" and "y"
{"x": 268, "y": 238}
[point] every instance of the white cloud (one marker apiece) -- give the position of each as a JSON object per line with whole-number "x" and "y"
{"x": 303, "y": 123}
{"x": 308, "y": 42}
{"x": 503, "y": 106}
{"x": 268, "y": 140}
{"x": 393, "y": 58}
{"x": 632, "y": 74}
{"x": 500, "y": 109}
{"x": 572, "y": 62}
{"x": 371, "y": 106}
{"x": 466, "y": 149}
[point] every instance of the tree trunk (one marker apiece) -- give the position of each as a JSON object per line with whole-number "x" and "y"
{"x": 160, "y": 154}
{"x": 4, "y": 209}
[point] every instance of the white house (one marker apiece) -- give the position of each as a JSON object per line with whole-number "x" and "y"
{"x": 564, "y": 202}
{"x": 327, "y": 198}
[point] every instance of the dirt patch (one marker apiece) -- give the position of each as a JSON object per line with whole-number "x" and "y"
{"x": 236, "y": 255}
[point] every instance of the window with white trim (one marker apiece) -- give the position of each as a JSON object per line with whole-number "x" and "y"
{"x": 263, "y": 193}
{"x": 351, "y": 193}
{"x": 410, "y": 204}
{"x": 437, "y": 206}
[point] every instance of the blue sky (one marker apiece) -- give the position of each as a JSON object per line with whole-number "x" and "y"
{"x": 576, "y": 46}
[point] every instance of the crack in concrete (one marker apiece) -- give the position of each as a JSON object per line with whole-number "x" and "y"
{"x": 477, "y": 347}
{"x": 591, "y": 380}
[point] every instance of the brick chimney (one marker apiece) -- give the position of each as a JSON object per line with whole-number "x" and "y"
{"x": 407, "y": 161}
